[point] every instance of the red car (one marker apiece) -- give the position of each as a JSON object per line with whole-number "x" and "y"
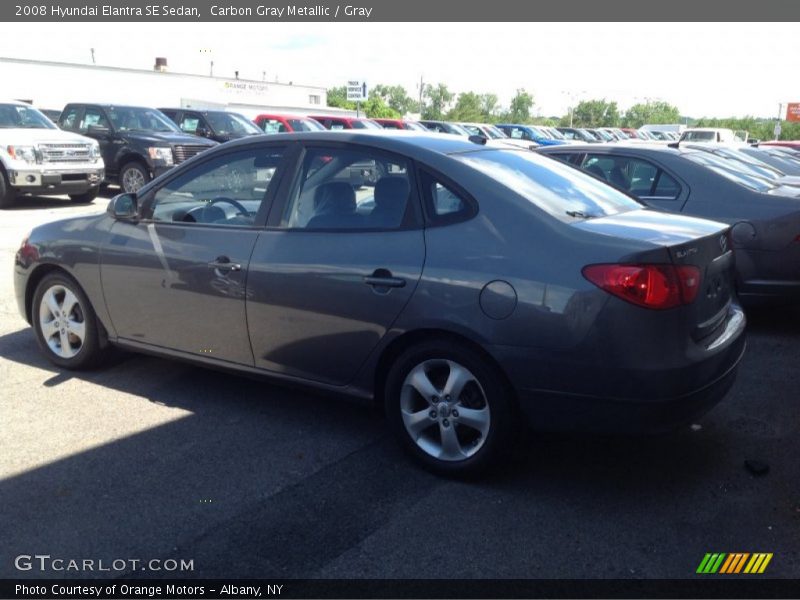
{"x": 286, "y": 123}
{"x": 330, "y": 122}
{"x": 401, "y": 124}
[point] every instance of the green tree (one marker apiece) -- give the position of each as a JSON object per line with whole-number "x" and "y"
{"x": 489, "y": 107}
{"x": 595, "y": 113}
{"x": 376, "y": 108}
{"x": 396, "y": 97}
{"x": 521, "y": 105}
{"x": 438, "y": 98}
{"x": 468, "y": 108}
{"x": 337, "y": 98}
{"x": 653, "y": 112}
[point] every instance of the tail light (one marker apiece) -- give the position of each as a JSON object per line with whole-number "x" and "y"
{"x": 651, "y": 286}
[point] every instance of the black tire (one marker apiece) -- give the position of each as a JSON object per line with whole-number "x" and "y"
{"x": 132, "y": 170}
{"x": 8, "y": 195}
{"x": 84, "y": 198}
{"x": 491, "y": 447}
{"x": 88, "y": 353}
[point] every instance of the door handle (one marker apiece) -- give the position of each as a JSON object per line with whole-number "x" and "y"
{"x": 384, "y": 278}
{"x": 223, "y": 263}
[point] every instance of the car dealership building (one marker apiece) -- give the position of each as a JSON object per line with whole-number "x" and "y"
{"x": 49, "y": 84}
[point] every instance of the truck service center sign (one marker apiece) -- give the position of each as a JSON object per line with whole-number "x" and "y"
{"x": 793, "y": 111}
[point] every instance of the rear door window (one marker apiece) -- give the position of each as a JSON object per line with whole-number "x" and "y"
{"x": 350, "y": 189}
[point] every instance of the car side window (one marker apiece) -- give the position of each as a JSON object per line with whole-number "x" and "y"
{"x": 638, "y": 177}
{"x": 349, "y": 189}
{"x": 227, "y": 190}
{"x": 445, "y": 203}
{"x": 69, "y": 120}
{"x": 189, "y": 123}
{"x": 93, "y": 116}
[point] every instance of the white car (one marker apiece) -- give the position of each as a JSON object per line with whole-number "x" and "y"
{"x": 37, "y": 158}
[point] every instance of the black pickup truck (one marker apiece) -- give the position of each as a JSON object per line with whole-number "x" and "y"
{"x": 137, "y": 143}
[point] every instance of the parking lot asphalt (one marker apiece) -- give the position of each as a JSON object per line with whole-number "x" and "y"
{"x": 153, "y": 459}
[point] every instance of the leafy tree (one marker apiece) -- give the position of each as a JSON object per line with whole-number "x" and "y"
{"x": 521, "y": 105}
{"x": 376, "y": 108}
{"x": 652, "y": 111}
{"x": 439, "y": 97}
{"x": 468, "y": 108}
{"x": 396, "y": 97}
{"x": 337, "y": 98}
{"x": 595, "y": 113}
{"x": 489, "y": 107}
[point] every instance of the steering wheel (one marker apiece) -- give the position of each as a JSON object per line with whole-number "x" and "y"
{"x": 241, "y": 210}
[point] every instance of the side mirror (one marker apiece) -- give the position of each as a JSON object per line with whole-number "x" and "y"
{"x": 202, "y": 132}
{"x": 98, "y": 130}
{"x": 124, "y": 207}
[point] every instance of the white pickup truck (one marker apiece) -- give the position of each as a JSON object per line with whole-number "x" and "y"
{"x": 713, "y": 135}
{"x": 37, "y": 158}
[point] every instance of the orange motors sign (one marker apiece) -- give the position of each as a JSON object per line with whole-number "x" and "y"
{"x": 793, "y": 111}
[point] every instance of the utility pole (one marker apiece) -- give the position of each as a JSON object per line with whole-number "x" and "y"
{"x": 421, "y": 90}
{"x": 92, "y": 51}
{"x": 777, "y": 129}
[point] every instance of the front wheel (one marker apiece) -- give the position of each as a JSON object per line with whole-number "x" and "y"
{"x": 449, "y": 408}
{"x": 132, "y": 177}
{"x": 7, "y": 193}
{"x": 65, "y": 323}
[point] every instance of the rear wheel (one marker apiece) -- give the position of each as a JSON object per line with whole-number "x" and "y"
{"x": 449, "y": 408}
{"x": 7, "y": 194}
{"x": 132, "y": 177}
{"x": 84, "y": 198}
{"x": 65, "y": 323}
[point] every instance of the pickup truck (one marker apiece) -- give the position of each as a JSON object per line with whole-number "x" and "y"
{"x": 137, "y": 143}
{"x": 713, "y": 135}
{"x": 37, "y": 158}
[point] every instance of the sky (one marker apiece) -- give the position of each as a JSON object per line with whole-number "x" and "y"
{"x": 705, "y": 69}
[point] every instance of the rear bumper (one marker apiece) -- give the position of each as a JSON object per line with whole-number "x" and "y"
{"x": 615, "y": 398}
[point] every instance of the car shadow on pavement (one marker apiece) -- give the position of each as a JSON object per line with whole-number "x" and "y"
{"x": 254, "y": 479}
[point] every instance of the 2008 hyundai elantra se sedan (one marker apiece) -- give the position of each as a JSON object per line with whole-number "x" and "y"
{"x": 461, "y": 286}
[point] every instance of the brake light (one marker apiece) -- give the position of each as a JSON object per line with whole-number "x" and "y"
{"x": 651, "y": 286}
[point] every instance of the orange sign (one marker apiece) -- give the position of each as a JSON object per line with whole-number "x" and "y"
{"x": 793, "y": 111}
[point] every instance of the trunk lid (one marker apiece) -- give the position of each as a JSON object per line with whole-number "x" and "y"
{"x": 700, "y": 243}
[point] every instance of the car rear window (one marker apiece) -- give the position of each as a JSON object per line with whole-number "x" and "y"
{"x": 560, "y": 190}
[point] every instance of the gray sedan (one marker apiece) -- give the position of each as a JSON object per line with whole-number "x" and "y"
{"x": 460, "y": 288}
{"x": 763, "y": 208}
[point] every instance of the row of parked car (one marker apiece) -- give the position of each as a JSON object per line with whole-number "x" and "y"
{"x": 458, "y": 280}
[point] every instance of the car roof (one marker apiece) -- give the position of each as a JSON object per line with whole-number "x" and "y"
{"x": 642, "y": 148}
{"x": 393, "y": 140}
{"x": 14, "y": 102}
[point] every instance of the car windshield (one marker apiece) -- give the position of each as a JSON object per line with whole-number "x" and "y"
{"x": 13, "y": 116}
{"x": 724, "y": 168}
{"x": 128, "y": 118}
{"x": 305, "y": 125}
{"x": 749, "y": 166}
{"x": 473, "y": 130}
{"x": 560, "y": 190}
{"x": 415, "y": 126}
{"x": 225, "y": 123}
{"x": 365, "y": 124}
{"x": 699, "y": 136}
{"x": 555, "y": 133}
{"x": 494, "y": 133}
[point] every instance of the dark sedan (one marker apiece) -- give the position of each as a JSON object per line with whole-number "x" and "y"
{"x": 764, "y": 212}
{"x": 464, "y": 286}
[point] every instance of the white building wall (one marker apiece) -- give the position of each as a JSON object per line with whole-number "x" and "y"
{"x": 53, "y": 84}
